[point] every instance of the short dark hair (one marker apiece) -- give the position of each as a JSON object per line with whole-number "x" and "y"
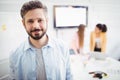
{"x": 32, "y": 5}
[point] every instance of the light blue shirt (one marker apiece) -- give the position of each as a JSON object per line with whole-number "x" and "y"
{"x": 55, "y": 56}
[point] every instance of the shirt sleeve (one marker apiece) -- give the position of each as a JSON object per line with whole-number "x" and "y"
{"x": 12, "y": 68}
{"x": 66, "y": 53}
{"x": 68, "y": 68}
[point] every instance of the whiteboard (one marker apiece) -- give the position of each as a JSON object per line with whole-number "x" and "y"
{"x": 70, "y": 16}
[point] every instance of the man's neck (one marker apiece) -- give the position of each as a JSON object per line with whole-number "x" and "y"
{"x": 39, "y": 43}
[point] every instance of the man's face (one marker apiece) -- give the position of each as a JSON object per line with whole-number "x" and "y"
{"x": 35, "y": 23}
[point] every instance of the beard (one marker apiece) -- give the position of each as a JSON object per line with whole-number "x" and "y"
{"x": 36, "y": 36}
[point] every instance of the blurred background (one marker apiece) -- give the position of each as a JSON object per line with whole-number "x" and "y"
{"x": 12, "y": 32}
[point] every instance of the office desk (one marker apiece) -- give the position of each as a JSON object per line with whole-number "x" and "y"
{"x": 81, "y": 66}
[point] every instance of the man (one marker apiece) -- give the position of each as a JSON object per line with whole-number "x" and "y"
{"x": 40, "y": 57}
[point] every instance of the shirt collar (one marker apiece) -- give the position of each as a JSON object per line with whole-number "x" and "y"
{"x": 29, "y": 46}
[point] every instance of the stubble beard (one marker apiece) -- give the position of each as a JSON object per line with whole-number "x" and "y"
{"x": 36, "y": 36}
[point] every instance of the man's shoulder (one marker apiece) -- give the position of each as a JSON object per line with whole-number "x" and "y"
{"x": 54, "y": 40}
{"x": 59, "y": 45}
{"x": 17, "y": 50}
{"x": 58, "y": 42}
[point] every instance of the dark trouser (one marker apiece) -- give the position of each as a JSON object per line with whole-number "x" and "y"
{"x": 97, "y": 49}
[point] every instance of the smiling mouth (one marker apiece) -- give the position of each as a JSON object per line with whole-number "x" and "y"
{"x": 36, "y": 30}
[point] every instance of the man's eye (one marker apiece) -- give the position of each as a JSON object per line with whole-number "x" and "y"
{"x": 30, "y": 21}
{"x": 40, "y": 20}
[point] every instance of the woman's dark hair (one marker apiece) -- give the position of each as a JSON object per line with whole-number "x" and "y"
{"x": 104, "y": 28}
{"x": 32, "y": 5}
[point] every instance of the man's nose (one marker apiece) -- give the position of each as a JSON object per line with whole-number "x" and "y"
{"x": 36, "y": 25}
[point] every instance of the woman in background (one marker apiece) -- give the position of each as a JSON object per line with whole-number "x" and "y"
{"x": 78, "y": 40}
{"x": 98, "y": 38}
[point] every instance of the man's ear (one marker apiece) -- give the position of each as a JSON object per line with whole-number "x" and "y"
{"x": 47, "y": 19}
{"x": 23, "y": 22}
